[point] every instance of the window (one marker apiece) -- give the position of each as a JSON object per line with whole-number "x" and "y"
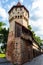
{"x": 21, "y": 16}
{"x": 18, "y": 17}
{"x": 18, "y": 30}
{"x": 15, "y": 16}
{"x": 18, "y": 12}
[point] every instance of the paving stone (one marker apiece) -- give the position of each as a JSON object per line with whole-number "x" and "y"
{"x": 36, "y": 61}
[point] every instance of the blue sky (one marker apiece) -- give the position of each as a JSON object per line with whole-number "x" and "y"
{"x": 35, "y": 8}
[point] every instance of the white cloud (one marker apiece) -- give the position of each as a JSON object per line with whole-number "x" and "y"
{"x": 38, "y": 23}
{"x": 37, "y": 11}
{"x": 38, "y": 4}
{"x": 21, "y": 1}
{"x": 37, "y": 26}
{"x": 3, "y": 13}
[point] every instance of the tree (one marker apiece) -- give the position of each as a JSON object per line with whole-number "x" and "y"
{"x": 3, "y": 35}
{"x": 29, "y": 27}
{"x": 1, "y": 25}
{"x": 37, "y": 38}
{"x": 4, "y": 32}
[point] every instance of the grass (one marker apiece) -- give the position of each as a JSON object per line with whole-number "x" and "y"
{"x": 2, "y": 55}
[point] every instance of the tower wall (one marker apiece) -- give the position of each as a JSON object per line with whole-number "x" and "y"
{"x": 17, "y": 48}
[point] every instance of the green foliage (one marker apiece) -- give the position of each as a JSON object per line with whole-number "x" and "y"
{"x": 3, "y": 38}
{"x": 29, "y": 27}
{"x": 1, "y": 25}
{"x": 3, "y": 35}
{"x": 37, "y": 38}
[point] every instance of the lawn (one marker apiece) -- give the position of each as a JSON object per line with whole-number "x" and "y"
{"x": 2, "y": 55}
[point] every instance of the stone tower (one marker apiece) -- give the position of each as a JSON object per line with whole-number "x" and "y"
{"x": 18, "y": 20}
{"x": 19, "y": 14}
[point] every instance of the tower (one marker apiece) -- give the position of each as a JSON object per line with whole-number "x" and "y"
{"x": 18, "y": 20}
{"x": 19, "y": 14}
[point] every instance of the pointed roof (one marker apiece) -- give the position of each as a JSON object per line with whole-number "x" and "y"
{"x": 18, "y": 4}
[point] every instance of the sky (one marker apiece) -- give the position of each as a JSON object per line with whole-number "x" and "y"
{"x": 35, "y": 8}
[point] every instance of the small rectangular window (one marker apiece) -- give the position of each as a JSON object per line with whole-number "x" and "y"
{"x": 15, "y": 16}
{"x": 18, "y": 17}
{"x": 21, "y": 16}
